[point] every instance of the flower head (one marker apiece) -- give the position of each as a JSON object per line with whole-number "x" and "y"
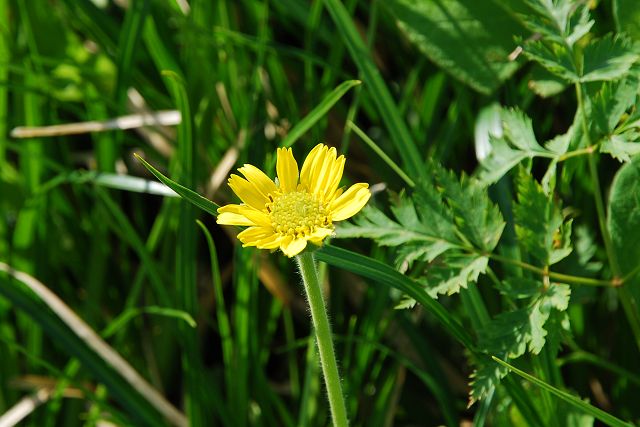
{"x": 298, "y": 207}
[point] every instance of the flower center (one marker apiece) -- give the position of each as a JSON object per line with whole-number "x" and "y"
{"x": 297, "y": 213}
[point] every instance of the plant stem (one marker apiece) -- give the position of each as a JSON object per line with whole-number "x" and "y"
{"x": 564, "y": 278}
{"x": 324, "y": 341}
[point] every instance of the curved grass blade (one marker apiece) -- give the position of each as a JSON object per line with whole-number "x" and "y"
{"x": 187, "y": 194}
{"x": 74, "y": 336}
{"x": 129, "y": 314}
{"x": 383, "y": 274}
{"x": 569, "y": 398}
{"x": 318, "y": 112}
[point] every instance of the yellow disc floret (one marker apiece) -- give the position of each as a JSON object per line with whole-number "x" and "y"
{"x": 297, "y": 214}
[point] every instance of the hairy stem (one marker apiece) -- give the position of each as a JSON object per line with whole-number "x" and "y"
{"x": 324, "y": 340}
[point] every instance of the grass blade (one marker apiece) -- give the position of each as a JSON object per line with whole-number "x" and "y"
{"x": 318, "y": 112}
{"x": 569, "y": 398}
{"x": 77, "y": 338}
{"x": 189, "y": 195}
{"x": 377, "y": 88}
{"x": 386, "y": 275}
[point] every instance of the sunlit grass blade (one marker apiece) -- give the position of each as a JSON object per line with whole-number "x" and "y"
{"x": 377, "y": 88}
{"x": 569, "y": 398}
{"x": 386, "y": 275}
{"x": 189, "y": 195}
{"x": 318, "y": 112}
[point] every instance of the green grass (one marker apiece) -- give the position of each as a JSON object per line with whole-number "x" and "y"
{"x": 220, "y": 333}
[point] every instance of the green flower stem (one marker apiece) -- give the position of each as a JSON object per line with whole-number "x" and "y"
{"x": 324, "y": 341}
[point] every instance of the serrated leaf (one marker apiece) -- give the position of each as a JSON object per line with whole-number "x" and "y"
{"x": 612, "y": 101}
{"x": 512, "y": 333}
{"x": 415, "y": 237}
{"x": 620, "y": 148}
{"x": 608, "y": 58}
{"x": 476, "y": 216}
{"x": 485, "y": 377}
{"x": 539, "y": 222}
{"x": 517, "y": 143}
{"x": 518, "y": 129}
{"x": 501, "y": 159}
{"x": 554, "y": 57}
{"x": 471, "y": 40}
{"x": 453, "y": 272}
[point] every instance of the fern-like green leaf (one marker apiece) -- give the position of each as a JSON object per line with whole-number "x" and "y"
{"x": 608, "y": 58}
{"x": 540, "y": 226}
{"x": 440, "y": 233}
{"x": 476, "y": 217}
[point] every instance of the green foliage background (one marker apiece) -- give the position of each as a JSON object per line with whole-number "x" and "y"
{"x": 492, "y": 279}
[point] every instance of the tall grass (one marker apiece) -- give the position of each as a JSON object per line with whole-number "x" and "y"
{"x": 217, "y": 334}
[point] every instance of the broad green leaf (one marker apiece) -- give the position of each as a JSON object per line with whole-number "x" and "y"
{"x": 471, "y": 40}
{"x": 608, "y": 58}
{"x": 623, "y": 217}
{"x": 540, "y": 226}
{"x": 575, "y": 401}
{"x": 626, "y": 14}
{"x": 187, "y": 194}
{"x": 545, "y": 84}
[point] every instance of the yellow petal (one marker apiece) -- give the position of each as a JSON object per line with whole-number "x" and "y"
{"x": 229, "y": 218}
{"x": 323, "y": 172}
{"x": 319, "y": 235}
{"x": 293, "y": 247}
{"x": 258, "y": 178}
{"x": 333, "y": 180}
{"x": 247, "y": 192}
{"x": 287, "y": 169}
{"x": 350, "y": 202}
{"x": 255, "y": 216}
{"x": 314, "y": 163}
{"x": 316, "y": 169}
{"x": 252, "y": 235}
{"x": 270, "y": 242}
{"x": 305, "y": 173}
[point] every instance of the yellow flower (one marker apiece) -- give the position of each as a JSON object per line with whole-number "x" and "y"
{"x": 295, "y": 209}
